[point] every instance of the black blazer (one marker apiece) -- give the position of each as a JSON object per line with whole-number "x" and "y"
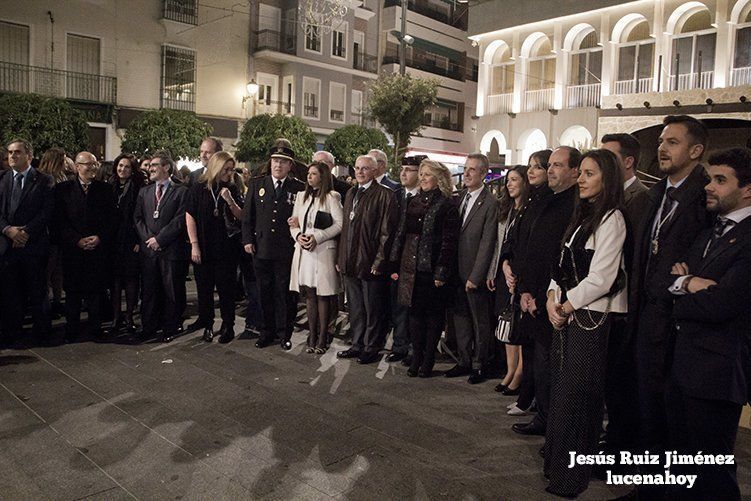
{"x": 169, "y": 228}
{"x": 265, "y": 217}
{"x": 711, "y": 358}
{"x": 34, "y": 211}
{"x": 677, "y": 235}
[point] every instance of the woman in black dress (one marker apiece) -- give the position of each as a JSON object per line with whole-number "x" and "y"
{"x": 425, "y": 253}
{"x": 126, "y": 182}
{"x": 212, "y": 216}
{"x": 588, "y": 289}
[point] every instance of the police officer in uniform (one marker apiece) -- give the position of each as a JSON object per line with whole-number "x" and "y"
{"x": 268, "y": 206}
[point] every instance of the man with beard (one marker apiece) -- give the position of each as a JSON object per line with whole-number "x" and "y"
{"x": 675, "y": 217}
{"x": 707, "y": 386}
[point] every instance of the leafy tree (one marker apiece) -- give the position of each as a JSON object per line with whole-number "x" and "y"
{"x": 179, "y": 132}
{"x": 351, "y": 141}
{"x": 399, "y": 104}
{"x": 43, "y": 121}
{"x": 258, "y": 135}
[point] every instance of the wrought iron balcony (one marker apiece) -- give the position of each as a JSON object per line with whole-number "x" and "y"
{"x": 365, "y": 62}
{"x": 274, "y": 40}
{"x": 182, "y": 11}
{"x": 57, "y": 83}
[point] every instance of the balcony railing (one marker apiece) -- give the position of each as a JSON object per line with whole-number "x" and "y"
{"x": 362, "y": 119}
{"x": 365, "y": 62}
{"x": 57, "y": 83}
{"x": 689, "y": 81}
{"x": 538, "y": 100}
{"x": 182, "y": 11}
{"x": 639, "y": 86}
{"x": 442, "y": 123}
{"x": 336, "y": 116}
{"x": 583, "y": 96}
{"x": 457, "y": 18}
{"x": 740, "y": 76}
{"x": 419, "y": 61}
{"x": 310, "y": 111}
{"x": 499, "y": 103}
{"x": 274, "y": 40}
{"x": 274, "y": 107}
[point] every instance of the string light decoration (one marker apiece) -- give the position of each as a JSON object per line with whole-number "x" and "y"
{"x": 322, "y": 16}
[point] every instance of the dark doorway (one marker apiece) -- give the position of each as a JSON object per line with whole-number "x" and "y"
{"x": 97, "y": 142}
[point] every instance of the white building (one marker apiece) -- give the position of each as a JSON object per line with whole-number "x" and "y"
{"x": 555, "y": 73}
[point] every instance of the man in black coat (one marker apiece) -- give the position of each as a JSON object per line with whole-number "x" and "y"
{"x": 26, "y": 206}
{"x": 85, "y": 221}
{"x": 209, "y": 146}
{"x": 707, "y": 386}
{"x": 160, "y": 223}
{"x": 539, "y": 247}
{"x": 268, "y": 205}
{"x": 675, "y": 217}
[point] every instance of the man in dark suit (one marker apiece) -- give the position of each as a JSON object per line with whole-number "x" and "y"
{"x": 209, "y": 146}
{"x": 160, "y": 223}
{"x": 543, "y": 233}
{"x": 381, "y": 175}
{"x": 478, "y": 210}
{"x": 326, "y": 157}
{"x": 26, "y": 206}
{"x": 401, "y": 347}
{"x": 268, "y": 206}
{"x": 370, "y": 217}
{"x": 85, "y": 224}
{"x": 674, "y": 218}
{"x": 707, "y": 386}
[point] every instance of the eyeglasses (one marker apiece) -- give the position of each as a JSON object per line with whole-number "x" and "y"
{"x": 155, "y": 164}
{"x": 88, "y": 164}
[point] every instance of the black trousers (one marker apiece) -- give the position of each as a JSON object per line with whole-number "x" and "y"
{"x": 278, "y": 303}
{"x": 472, "y": 320}
{"x": 219, "y": 274}
{"x": 621, "y": 396}
{"x": 527, "y": 386}
{"x": 366, "y": 312}
{"x": 73, "y": 302}
{"x": 426, "y": 322}
{"x": 400, "y": 319}
{"x": 542, "y": 378}
{"x": 24, "y": 279}
{"x": 706, "y": 426}
{"x": 163, "y": 294}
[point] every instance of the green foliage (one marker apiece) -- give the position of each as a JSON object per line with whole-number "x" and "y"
{"x": 179, "y": 132}
{"x": 260, "y": 132}
{"x": 43, "y": 121}
{"x": 351, "y": 141}
{"x": 399, "y": 104}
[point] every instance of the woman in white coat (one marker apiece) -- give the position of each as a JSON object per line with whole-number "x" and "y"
{"x": 315, "y": 223}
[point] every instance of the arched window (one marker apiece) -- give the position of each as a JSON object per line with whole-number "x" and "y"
{"x": 693, "y": 51}
{"x": 578, "y": 137}
{"x": 540, "y": 73}
{"x": 529, "y": 142}
{"x": 585, "y": 69}
{"x": 501, "y": 68}
{"x": 636, "y": 50}
{"x": 741, "y": 72}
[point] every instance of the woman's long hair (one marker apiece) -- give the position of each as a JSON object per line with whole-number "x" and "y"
{"x": 327, "y": 184}
{"x": 588, "y": 214}
{"x": 136, "y": 178}
{"x": 441, "y": 173}
{"x": 507, "y": 203}
{"x": 53, "y": 163}
{"x": 215, "y": 166}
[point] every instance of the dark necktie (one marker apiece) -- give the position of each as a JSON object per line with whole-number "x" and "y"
{"x": 407, "y": 199}
{"x": 278, "y": 189}
{"x": 667, "y": 204}
{"x": 464, "y": 206}
{"x": 159, "y": 188}
{"x": 719, "y": 229}
{"x": 359, "y": 193}
{"x": 85, "y": 188}
{"x": 15, "y": 197}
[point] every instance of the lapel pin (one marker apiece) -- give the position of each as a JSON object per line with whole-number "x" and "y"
{"x": 261, "y": 192}
{"x": 732, "y": 240}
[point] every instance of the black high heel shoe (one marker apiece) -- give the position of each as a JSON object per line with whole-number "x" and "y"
{"x": 511, "y": 392}
{"x": 500, "y": 387}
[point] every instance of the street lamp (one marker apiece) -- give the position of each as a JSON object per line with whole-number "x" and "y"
{"x": 251, "y": 89}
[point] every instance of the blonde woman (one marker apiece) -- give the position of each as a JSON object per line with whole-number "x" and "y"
{"x": 315, "y": 223}
{"x": 212, "y": 217}
{"x": 425, "y": 253}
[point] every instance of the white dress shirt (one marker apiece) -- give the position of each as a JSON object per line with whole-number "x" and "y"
{"x": 473, "y": 196}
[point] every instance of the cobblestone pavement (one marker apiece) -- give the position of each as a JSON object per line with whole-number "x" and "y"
{"x": 191, "y": 420}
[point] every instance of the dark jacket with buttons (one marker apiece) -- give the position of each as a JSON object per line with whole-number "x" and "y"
{"x": 265, "y": 217}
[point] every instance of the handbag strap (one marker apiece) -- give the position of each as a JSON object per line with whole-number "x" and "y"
{"x": 307, "y": 211}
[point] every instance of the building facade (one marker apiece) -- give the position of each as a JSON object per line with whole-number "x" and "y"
{"x": 570, "y": 72}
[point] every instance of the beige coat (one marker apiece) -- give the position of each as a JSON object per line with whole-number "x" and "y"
{"x": 328, "y": 281}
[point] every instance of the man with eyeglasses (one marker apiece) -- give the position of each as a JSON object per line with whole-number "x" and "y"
{"x": 85, "y": 220}
{"x": 26, "y": 206}
{"x": 160, "y": 224}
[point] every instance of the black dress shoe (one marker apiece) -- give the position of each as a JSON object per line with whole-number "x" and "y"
{"x": 509, "y": 392}
{"x": 350, "y": 353}
{"x": 227, "y": 334}
{"x": 456, "y": 371}
{"x": 367, "y": 358}
{"x": 477, "y": 376}
{"x": 407, "y": 361}
{"x": 529, "y": 429}
{"x": 194, "y": 326}
{"x": 263, "y": 342}
{"x": 412, "y": 372}
{"x": 286, "y": 344}
{"x": 208, "y": 335}
{"x": 395, "y": 357}
{"x": 167, "y": 338}
{"x": 424, "y": 373}
{"x": 130, "y": 326}
{"x": 500, "y": 387}
{"x": 181, "y": 329}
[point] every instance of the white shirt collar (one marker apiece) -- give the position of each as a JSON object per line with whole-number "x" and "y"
{"x": 738, "y": 215}
{"x": 412, "y": 192}
{"x": 476, "y": 193}
{"x": 676, "y": 185}
{"x": 275, "y": 179}
{"x": 629, "y": 182}
{"x": 366, "y": 185}
{"x": 24, "y": 172}
{"x": 380, "y": 178}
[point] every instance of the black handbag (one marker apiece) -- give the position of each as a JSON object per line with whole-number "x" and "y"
{"x": 506, "y": 321}
{"x": 323, "y": 220}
